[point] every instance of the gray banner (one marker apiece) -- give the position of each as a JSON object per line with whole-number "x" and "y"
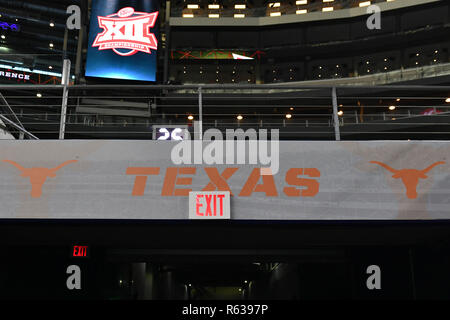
{"x": 85, "y": 179}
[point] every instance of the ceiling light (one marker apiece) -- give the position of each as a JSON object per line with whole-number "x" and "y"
{"x": 52, "y": 24}
{"x": 327, "y": 9}
{"x": 39, "y": 95}
{"x": 51, "y": 45}
{"x": 190, "y": 117}
{"x": 188, "y": 15}
{"x": 214, "y": 15}
{"x": 192, "y": 6}
{"x": 340, "y": 113}
{"x": 239, "y": 117}
{"x": 298, "y": 2}
{"x": 391, "y": 108}
{"x": 275, "y": 14}
{"x": 364, "y": 4}
{"x": 213, "y": 6}
{"x": 50, "y": 67}
{"x": 447, "y": 100}
{"x": 3, "y": 36}
{"x": 288, "y": 116}
{"x": 239, "y": 6}
{"x": 239, "y": 15}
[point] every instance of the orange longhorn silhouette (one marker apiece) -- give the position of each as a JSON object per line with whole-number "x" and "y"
{"x": 38, "y": 176}
{"x": 410, "y": 177}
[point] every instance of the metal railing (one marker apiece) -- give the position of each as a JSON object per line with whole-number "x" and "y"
{"x": 298, "y": 112}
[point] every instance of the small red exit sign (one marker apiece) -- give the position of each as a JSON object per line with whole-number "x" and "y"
{"x": 80, "y": 251}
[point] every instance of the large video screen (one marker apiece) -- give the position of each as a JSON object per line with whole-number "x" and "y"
{"x": 123, "y": 40}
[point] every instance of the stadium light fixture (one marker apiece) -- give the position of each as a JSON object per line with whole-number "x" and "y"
{"x": 300, "y": 2}
{"x": 213, "y": 6}
{"x": 365, "y": 4}
{"x": 192, "y": 6}
{"x": 239, "y": 6}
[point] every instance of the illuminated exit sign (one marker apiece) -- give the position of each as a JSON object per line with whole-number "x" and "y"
{"x": 209, "y": 205}
{"x": 80, "y": 251}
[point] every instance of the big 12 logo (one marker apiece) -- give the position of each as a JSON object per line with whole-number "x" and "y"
{"x": 127, "y": 29}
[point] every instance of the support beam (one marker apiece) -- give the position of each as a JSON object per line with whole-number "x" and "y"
{"x": 335, "y": 114}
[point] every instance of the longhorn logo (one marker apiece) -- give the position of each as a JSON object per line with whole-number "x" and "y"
{"x": 410, "y": 177}
{"x": 38, "y": 176}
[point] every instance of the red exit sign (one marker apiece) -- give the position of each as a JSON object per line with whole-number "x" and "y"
{"x": 80, "y": 251}
{"x": 208, "y": 205}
